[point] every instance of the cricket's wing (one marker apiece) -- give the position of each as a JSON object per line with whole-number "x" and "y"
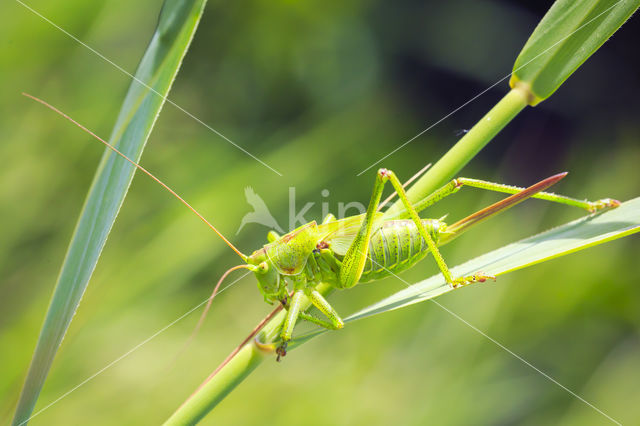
{"x": 339, "y": 234}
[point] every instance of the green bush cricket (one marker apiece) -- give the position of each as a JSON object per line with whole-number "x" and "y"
{"x": 363, "y": 248}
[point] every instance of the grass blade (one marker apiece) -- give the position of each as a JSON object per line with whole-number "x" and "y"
{"x": 569, "y": 33}
{"x": 155, "y": 74}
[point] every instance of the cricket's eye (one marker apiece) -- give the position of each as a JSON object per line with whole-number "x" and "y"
{"x": 263, "y": 267}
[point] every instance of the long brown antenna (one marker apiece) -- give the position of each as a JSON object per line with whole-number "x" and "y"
{"x": 145, "y": 171}
{"x": 206, "y": 309}
{"x": 213, "y": 295}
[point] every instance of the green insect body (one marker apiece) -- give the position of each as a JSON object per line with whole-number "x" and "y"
{"x": 397, "y": 246}
{"x": 308, "y": 251}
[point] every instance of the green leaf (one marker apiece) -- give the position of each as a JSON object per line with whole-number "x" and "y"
{"x": 569, "y": 238}
{"x": 570, "y": 32}
{"x": 158, "y": 68}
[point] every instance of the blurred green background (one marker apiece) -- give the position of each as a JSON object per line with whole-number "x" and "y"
{"x": 319, "y": 91}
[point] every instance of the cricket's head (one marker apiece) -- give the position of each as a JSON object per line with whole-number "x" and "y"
{"x": 266, "y": 274}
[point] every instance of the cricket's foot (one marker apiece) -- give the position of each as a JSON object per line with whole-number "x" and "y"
{"x": 284, "y": 302}
{"x": 478, "y": 277}
{"x": 605, "y": 203}
{"x": 281, "y": 351}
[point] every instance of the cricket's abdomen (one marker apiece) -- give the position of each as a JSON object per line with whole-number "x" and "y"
{"x": 397, "y": 246}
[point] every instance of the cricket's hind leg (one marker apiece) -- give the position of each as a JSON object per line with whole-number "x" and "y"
{"x": 355, "y": 258}
{"x": 456, "y": 184}
{"x": 433, "y": 248}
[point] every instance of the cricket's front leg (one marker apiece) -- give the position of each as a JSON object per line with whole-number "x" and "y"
{"x": 317, "y": 300}
{"x": 433, "y": 248}
{"x": 293, "y": 312}
{"x": 334, "y": 321}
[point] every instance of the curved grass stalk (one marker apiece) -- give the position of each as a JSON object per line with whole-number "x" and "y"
{"x": 155, "y": 74}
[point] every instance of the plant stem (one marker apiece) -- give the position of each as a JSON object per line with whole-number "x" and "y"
{"x": 462, "y": 152}
{"x": 231, "y": 374}
{"x": 214, "y": 390}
